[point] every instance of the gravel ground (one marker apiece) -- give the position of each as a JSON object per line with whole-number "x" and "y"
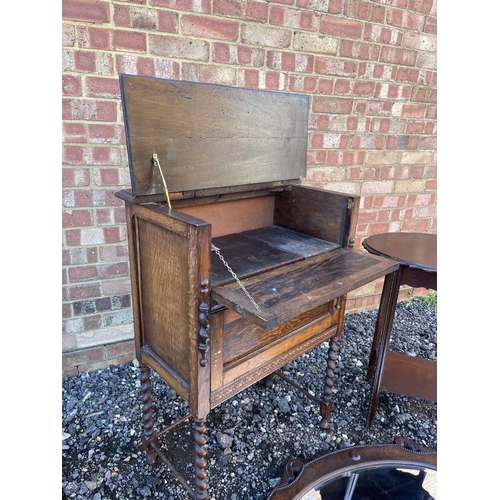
{"x": 252, "y": 435}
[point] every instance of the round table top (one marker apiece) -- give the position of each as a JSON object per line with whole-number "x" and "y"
{"x": 412, "y": 249}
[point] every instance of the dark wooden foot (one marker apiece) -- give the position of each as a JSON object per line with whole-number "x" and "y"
{"x": 269, "y": 381}
{"x": 200, "y": 450}
{"x": 325, "y": 405}
{"x": 147, "y": 414}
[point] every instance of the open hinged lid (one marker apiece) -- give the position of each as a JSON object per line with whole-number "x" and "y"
{"x": 288, "y": 291}
{"x": 211, "y": 137}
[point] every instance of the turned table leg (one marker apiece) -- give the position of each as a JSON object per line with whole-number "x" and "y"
{"x": 325, "y": 405}
{"x": 200, "y": 450}
{"x": 147, "y": 414}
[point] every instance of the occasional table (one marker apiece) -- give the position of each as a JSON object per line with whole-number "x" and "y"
{"x": 387, "y": 370}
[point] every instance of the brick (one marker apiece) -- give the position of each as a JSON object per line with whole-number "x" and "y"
{"x": 390, "y": 91}
{"x": 308, "y": 21}
{"x": 335, "y": 67}
{"x": 416, "y": 225}
{"x": 106, "y": 176}
{"x": 124, "y": 317}
{"x": 222, "y": 53}
{"x": 110, "y": 216}
{"x": 68, "y": 342}
{"x": 340, "y": 27}
{"x": 209, "y": 74}
{"x": 346, "y": 157}
{"x": 427, "y": 61}
{"x": 377, "y": 71}
{"x": 91, "y": 110}
{"x": 364, "y": 10}
{"x": 302, "y": 83}
{"x": 84, "y": 291}
{"x": 113, "y": 253}
{"x": 92, "y": 236}
{"x": 91, "y": 155}
{"x": 343, "y": 187}
{"x": 359, "y": 50}
{"x": 166, "y": 69}
{"x": 129, "y": 41}
{"x": 143, "y": 18}
{"x": 367, "y": 142}
{"x": 74, "y": 132}
{"x": 77, "y": 218}
{"x": 116, "y": 286}
{"x": 390, "y": 201}
{"x": 71, "y": 85}
{"x": 83, "y": 356}
{"x": 203, "y": 6}
{"x": 335, "y": 6}
{"x": 409, "y": 110}
{"x": 383, "y": 34}
{"x": 323, "y": 174}
{"x": 134, "y": 65}
{"x": 91, "y": 322}
{"x": 332, "y": 105}
{"x": 102, "y": 87}
{"x": 114, "y": 270}
{"x": 373, "y": 108}
{"x": 82, "y": 255}
{"x": 82, "y": 273}
{"x": 293, "y": 18}
{"x": 94, "y": 11}
{"x": 207, "y": 27}
{"x": 316, "y": 157}
{"x": 184, "y": 48}
{"x": 256, "y": 11}
{"x": 121, "y": 350}
{"x": 288, "y": 61}
{"x": 106, "y": 133}
{"x": 428, "y": 143}
{"x": 318, "y": 5}
{"x": 114, "y": 234}
{"x": 121, "y": 16}
{"x": 405, "y": 19}
{"x": 111, "y": 334}
{"x": 325, "y": 86}
{"x": 418, "y": 41}
{"x": 266, "y": 35}
{"x": 85, "y": 61}
{"x": 94, "y": 38}
{"x": 409, "y": 186}
{"x": 430, "y": 25}
{"x": 68, "y": 37}
{"x": 319, "y": 122}
{"x": 423, "y": 6}
{"x": 379, "y": 228}
{"x": 395, "y": 55}
{"x": 416, "y": 157}
{"x": 272, "y": 81}
{"x": 168, "y": 21}
{"x": 232, "y": 8}
{"x": 319, "y": 44}
{"x": 382, "y": 157}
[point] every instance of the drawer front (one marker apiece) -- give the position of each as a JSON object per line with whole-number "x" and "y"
{"x": 246, "y": 353}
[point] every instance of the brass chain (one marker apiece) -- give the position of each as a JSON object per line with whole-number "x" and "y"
{"x": 157, "y": 164}
{"x": 242, "y": 286}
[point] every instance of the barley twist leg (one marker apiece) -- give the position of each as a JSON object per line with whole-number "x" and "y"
{"x": 325, "y": 406}
{"x": 147, "y": 414}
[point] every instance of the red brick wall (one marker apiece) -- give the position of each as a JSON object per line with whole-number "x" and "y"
{"x": 369, "y": 67}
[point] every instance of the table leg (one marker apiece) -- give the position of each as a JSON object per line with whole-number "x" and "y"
{"x": 382, "y": 337}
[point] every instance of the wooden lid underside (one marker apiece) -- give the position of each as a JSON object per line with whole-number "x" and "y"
{"x": 211, "y": 137}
